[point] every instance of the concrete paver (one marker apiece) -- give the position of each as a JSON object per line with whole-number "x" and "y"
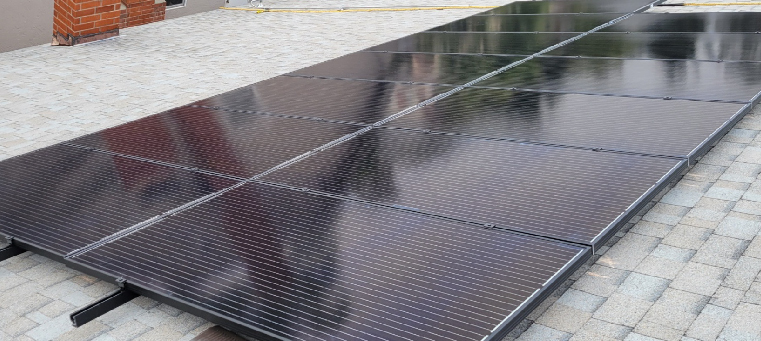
{"x": 684, "y": 271}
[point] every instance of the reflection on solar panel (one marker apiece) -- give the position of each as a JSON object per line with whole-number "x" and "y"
{"x": 528, "y": 23}
{"x": 703, "y": 46}
{"x": 300, "y": 266}
{"x": 374, "y": 196}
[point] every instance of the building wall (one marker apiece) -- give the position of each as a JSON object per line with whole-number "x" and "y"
{"x": 192, "y": 7}
{"x": 25, "y": 23}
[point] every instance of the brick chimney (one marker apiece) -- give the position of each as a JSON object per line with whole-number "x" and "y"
{"x": 82, "y": 21}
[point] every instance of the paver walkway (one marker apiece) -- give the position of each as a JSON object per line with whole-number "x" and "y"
{"x": 689, "y": 269}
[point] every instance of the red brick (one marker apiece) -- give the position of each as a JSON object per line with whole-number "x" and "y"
{"x": 82, "y": 27}
{"x": 89, "y": 18}
{"x": 110, "y": 15}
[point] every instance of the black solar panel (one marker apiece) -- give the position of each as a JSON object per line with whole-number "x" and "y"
{"x": 648, "y": 126}
{"x": 62, "y": 198}
{"x": 233, "y": 143}
{"x": 305, "y": 267}
{"x": 689, "y": 22}
{"x": 571, "y": 6}
{"x": 703, "y": 46}
{"x": 490, "y": 182}
{"x": 362, "y": 102}
{"x": 528, "y": 23}
{"x": 656, "y": 78}
{"x": 425, "y": 68}
{"x": 465, "y": 42}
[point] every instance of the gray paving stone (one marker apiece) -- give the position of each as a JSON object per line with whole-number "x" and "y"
{"x": 739, "y": 225}
{"x": 153, "y": 318}
{"x": 128, "y": 331}
{"x": 540, "y": 332}
{"x": 687, "y": 193}
{"x": 658, "y": 331}
{"x": 52, "y": 329}
{"x": 673, "y": 253}
{"x": 639, "y": 337}
{"x": 699, "y": 278}
{"x": 687, "y": 237}
{"x": 622, "y": 309}
{"x": 18, "y": 326}
{"x": 581, "y": 300}
{"x": 748, "y": 207}
{"x": 666, "y": 214}
{"x": 743, "y": 324}
{"x": 753, "y": 295}
{"x": 709, "y": 323}
{"x": 743, "y": 273}
{"x": 643, "y": 287}
{"x": 25, "y": 305}
{"x": 564, "y": 318}
{"x": 84, "y": 280}
{"x": 727, "y": 297}
{"x": 707, "y": 213}
{"x": 629, "y": 251}
{"x": 750, "y": 155}
{"x": 754, "y": 249}
{"x": 727, "y": 190}
{"x": 739, "y": 135}
{"x": 603, "y": 330}
{"x": 601, "y": 280}
{"x": 676, "y": 309}
{"x": 159, "y": 333}
{"x": 705, "y": 172}
{"x": 660, "y": 267}
{"x": 18, "y": 264}
{"x": 89, "y": 331}
{"x": 723, "y": 154}
{"x": 754, "y": 192}
{"x": 720, "y": 251}
{"x": 741, "y": 172}
{"x": 649, "y": 228}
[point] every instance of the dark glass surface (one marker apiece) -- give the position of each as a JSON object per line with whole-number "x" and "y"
{"x": 703, "y": 46}
{"x": 425, "y": 68}
{"x": 650, "y": 126}
{"x": 689, "y": 22}
{"x": 571, "y": 6}
{"x": 562, "y": 193}
{"x": 493, "y": 43}
{"x": 340, "y": 100}
{"x": 529, "y": 23}
{"x": 63, "y": 198}
{"x": 305, "y": 267}
{"x": 233, "y": 143}
{"x": 658, "y": 78}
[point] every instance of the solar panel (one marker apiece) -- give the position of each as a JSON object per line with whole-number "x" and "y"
{"x": 689, "y": 22}
{"x": 571, "y": 6}
{"x": 703, "y": 46}
{"x": 62, "y": 198}
{"x": 528, "y": 23}
{"x": 656, "y": 78}
{"x": 233, "y": 143}
{"x": 647, "y": 126}
{"x": 467, "y": 42}
{"x": 499, "y": 183}
{"x": 402, "y": 67}
{"x": 347, "y": 101}
{"x": 303, "y": 267}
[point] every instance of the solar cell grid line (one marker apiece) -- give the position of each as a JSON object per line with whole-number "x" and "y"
{"x": 527, "y": 23}
{"x": 474, "y": 43}
{"x": 374, "y": 258}
{"x": 61, "y": 198}
{"x": 233, "y": 143}
{"x": 712, "y": 22}
{"x": 569, "y": 7}
{"x": 489, "y": 182}
{"x": 685, "y": 79}
{"x": 714, "y": 47}
{"x": 663, "y": 127}
{"x": 340, "y": 101}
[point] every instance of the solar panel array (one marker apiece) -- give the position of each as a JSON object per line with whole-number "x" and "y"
{"x": 438, "y": 186}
